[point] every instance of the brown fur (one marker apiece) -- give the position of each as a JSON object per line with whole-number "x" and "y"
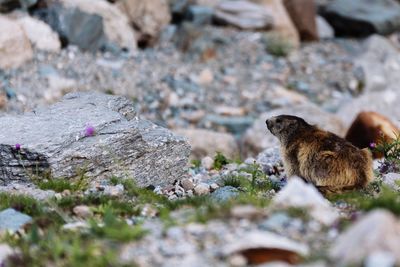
{"x": 371, "y": 127}
{"x": 329, "y": 162}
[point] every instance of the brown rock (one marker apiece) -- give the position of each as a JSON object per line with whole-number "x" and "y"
{"x": 303, "y": 15}
{"x": 371, "y": 127}
{"x": 208, "y": 143}
{"x": 283, "y": 25}
{"x": 147, "y": 17}
{"x": 15, "y": 48}
{"x": 3, "y": 100}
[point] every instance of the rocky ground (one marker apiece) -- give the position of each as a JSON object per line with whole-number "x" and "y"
{"x": 133, "y": 191}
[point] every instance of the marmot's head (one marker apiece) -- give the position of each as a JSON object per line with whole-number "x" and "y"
{"x": 286, "y": 126}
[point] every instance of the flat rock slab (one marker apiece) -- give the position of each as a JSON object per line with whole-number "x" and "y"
{"x": 13, "y": 220}
{"x": 54, "y": 142}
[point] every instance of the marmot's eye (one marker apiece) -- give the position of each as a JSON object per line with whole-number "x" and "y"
{"x": 278, "y": 120}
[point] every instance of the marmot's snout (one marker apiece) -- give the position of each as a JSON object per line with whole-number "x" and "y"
{"x": 269, "y": 123}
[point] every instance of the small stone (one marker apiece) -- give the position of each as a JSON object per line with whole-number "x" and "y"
{"x": 75, "y": 226}
{"x": 187, "y": 184}
{"x": 276, "y": 222}
{"x": 13, "y": 220}
{"x": 206, "y": 77}
{"x": 82, "y": 211}
{"x": 214, "y": 186}
{"x": 207, "y": 163}
{"x": 381, "y": 259}
{"x": 114, "y": 191}
{"x": 230, "y": 111}
{"x": 5, "y": 252}
{"x": 225, "y": 193}
{"x": 392, "y": 180}
{"x": 202, "y": 189}
{"x": 247, "y": 212}
{"x": 237, "y": 260}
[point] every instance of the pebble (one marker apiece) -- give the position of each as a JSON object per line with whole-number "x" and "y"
{"x": 207, "y": 163}
{"x": 202, "y": 189}
{"x": 187, "y": 184}
{"x": 82, "y": 211}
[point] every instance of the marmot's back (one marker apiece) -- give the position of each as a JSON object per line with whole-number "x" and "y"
{"x": 320, "y": 157}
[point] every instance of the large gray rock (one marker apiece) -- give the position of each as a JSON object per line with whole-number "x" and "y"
{"x": 116, "y": 23}
{"x": 75, "y": 27}
{"x": 378, "y": 231}
{"x": 380, "y": 62}
{"x": 57, "y": 140}
{"x": 13, "y": 220}
{"x": 363, "y": 17}
{"x": 384, "y": 102}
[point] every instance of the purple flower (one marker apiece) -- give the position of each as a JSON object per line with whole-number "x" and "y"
{"x": 18, "y": 147}
{"x": 89, "y": 130}
{"x": 372, "y": 145}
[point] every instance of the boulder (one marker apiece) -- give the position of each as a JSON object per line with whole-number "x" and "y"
{"x": 378, "y": 231}
{"x": 208, "y": 143}
{"x": 40, "y": 34}
{"x": 363, "y": 17}
{"x": 75, "y": 26}
{"x": 257, "y": 138}
{"x": 244, "y": 15}
{"x": 380, "y": 62}
{"x": 325, "y": 31}
{"x": 13, "y": 220}
{"x": 90, "y": 134}
{"x": 303, "y": 15}
{"x": 116, "y": 23}
{"x": 283, "y": 28}
{"x": 8, "y": 5}
{"x": 148, "y": 17}
{"x": 384, "y": 102}
{"x": 15, "y": 48}
{"x": 298, "y": 194}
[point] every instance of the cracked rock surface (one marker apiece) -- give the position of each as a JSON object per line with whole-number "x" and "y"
{"x": 54, "y": 142}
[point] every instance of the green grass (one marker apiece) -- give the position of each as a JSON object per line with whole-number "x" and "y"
{"x": 277, "y": 45}
{"x": 386, "y": 199}
{"x": 258, "y": 182}
{"x": 220, "y": 161}
{"x": 60, "y": 185}
{"x": 21, "y": 203}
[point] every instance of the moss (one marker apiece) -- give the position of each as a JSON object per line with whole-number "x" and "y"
{"x": 220, "y": 161}
{"x": 277, "y": 45}
{"x": 21, "y": 203}
{"x": 59, "y": 185}
{"x": 196, "y": 163}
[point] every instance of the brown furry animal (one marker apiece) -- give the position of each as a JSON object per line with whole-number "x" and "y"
{"x": 329, "y": 162}
{"x": 371, "y": 127}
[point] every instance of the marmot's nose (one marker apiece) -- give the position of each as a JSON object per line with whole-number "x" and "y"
{"x": 269, "y": 123}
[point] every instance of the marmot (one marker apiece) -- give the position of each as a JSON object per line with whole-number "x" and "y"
{"x": 331, "y": 163}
